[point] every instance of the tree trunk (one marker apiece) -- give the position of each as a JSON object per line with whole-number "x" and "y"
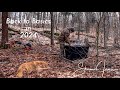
{"x": 64, "y": 20}
{"x": 115, "y": 29}
{"x": 97, "y": 34}
{"x": 4, "y": 30}
{"x": 87, "y": 22}
{"x": 52, "y": 28}
{"x": 79, "y": 24}
{"x": 87, "y": 26}
{"x": 72, "y": 21}
{"x": 55, "y": 21}
{"x": 43, "y": 25}
{"x": 38, "y": 17}
{"x": 97, "y": 40}
{"x": 104, "y": 32}
{"x": 106, "y": 28}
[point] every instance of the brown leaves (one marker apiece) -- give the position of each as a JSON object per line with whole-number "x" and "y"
{"x": 59, "y": 68}
{"x": 4, "y": 59}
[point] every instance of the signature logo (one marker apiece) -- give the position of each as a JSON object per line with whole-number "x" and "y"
{"x": 84, "y": 69}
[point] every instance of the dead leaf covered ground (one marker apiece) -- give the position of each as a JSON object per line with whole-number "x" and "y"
{"x": 60, "y": 68}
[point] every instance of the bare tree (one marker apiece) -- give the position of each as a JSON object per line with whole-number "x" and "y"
{"x": 87, "y": 14}
{"x": 98, "y": 22}
{"x": 72, "y": 21}
{"x": 52, "y": 28}
{"x": 87, "y": 25}
{"x": 106, "y": 27}
{"x": 4, "y": 29}
{"x": 65, "y": 18}
{"x": 115, "y": 23}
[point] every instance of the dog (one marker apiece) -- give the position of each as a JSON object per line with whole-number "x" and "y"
{"x": 28, "y": 67}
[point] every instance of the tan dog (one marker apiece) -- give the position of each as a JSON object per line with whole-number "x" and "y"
{"x": 28, "y": 67}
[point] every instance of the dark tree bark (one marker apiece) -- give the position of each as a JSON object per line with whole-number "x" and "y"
{"x": 65, "y": 14}
{"x": 98, "y": 33}
{"x": 106, "y": 27}
{"x": 38, "y": 17}
{"x": 115, "y": 30}
{"x": 4, "y": 30}
{"x": 79, "y": 24}
{"x": 52, "y": 28}
{"x": 72, "y": 21}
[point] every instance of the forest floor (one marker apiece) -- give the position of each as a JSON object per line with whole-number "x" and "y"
{"x": 108, "y": 65}
{"x": 60, "y": 68}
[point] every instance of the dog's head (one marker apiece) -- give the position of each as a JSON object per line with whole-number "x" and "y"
{"x": 42, "y": 64}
